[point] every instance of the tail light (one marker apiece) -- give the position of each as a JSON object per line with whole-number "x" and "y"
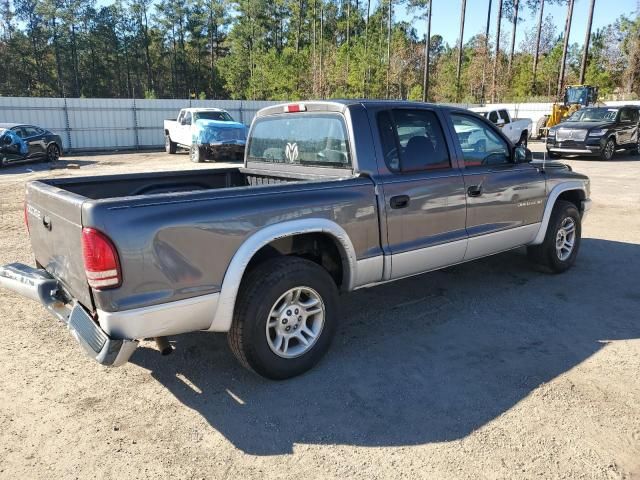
{"x": 295, "y": 107}
{"x": 101, "y": 263}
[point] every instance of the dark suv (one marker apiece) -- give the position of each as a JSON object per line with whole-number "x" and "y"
{"x": 596, "y": 131}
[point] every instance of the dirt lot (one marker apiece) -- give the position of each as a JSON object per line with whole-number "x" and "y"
{"x": 485, "y": 370}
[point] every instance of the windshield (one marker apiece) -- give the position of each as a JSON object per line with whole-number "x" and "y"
{"x": 577, "y": 95}
{"x": 594, "y": 115}
{"x": 302, "y": 139}
{"x": 220, "y": 116}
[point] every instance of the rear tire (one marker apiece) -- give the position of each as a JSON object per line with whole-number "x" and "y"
{"x": 524, "y": 138}
{"x": 53, "y": 153}
{"x": 609, "y": 150}
{"x": 540, "y": 124}
{"x": 262, "y": 323}
{"x": 169, "y": 146}
{"x": 561, "y": 243}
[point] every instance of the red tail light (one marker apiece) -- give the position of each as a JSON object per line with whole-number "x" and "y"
{"x": 101, "y": 263}
{"x": 295, "y": 107}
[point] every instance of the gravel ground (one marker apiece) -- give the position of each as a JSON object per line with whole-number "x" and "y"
{"x": 484, "y": 370}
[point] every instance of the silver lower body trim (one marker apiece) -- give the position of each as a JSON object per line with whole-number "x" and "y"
{"x": 496, "y": 242}
{"x": 182, "y": 316}
{"x": 426, "y": 259}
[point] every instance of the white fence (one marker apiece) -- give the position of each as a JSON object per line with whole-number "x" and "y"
{"x": 123, "y": 124}
{"x": 111, "y": 124}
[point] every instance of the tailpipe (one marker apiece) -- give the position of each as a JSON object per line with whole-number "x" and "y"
{"x": 163, "y": 345}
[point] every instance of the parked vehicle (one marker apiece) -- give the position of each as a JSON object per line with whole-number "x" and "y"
{"x": 516, "y": 129}
{"x": 596, "y": 131}
{"x": 333, "y": 196}
{"x": 26, "y": 143}
{"x": 208, "y": 133}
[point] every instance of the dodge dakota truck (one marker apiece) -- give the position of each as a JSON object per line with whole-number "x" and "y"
{"x": 333, "y": 196}
{"x": 208, "y": 134}
{"x": 516, "y": 129}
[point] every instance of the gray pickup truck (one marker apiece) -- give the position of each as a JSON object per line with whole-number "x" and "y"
{"x": 333, "y": 196}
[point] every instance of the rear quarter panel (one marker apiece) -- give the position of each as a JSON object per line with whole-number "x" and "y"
{"x": 178, "y": 246}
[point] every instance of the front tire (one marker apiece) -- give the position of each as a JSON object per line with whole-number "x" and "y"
{"x": 53, "y": 153}
{"x": 285, "y": 317}
{"x": 553, "y": 154}
{"x": 198, "y": 154}
{"x": 561, "y": 243}
{"x": 609, "y": 150}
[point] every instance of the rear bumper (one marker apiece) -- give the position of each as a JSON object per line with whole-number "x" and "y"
{"x": 38, "y": 285}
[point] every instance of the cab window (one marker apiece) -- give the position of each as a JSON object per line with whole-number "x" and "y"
{"x": 493, "y": 117}
{"x": 480, "y": 145}
{"x": 412, "y": 140}
{"x": 504, "y": 116}
{"x": 629, "y": 115}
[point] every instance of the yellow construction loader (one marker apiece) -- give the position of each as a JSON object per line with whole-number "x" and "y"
{"x": 575, "y": 98}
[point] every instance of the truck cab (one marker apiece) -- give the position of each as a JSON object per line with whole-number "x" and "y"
{"x": 516, "y": 129}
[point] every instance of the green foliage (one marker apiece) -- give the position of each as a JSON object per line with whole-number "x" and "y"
{"x": 281, "y": 50}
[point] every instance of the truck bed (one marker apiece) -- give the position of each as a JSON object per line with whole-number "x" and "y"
{"x": 137, "y": 184}
{"x": 166, "y": 224}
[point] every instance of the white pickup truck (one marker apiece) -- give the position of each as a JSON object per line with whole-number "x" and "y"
{"x": 516, "y": 129}
{"x": 208, "y": 133}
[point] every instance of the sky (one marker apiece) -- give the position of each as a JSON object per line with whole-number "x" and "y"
{"x": 445, "y": 19}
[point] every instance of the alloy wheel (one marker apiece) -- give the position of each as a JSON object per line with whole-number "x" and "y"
{"x": 295, "y": 322}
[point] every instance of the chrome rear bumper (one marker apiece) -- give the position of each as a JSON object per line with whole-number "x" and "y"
{"x": 38, "y": 285}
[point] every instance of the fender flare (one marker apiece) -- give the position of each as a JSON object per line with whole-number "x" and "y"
{"x": 235, "y": 271}
{"x": 551, "y": 201}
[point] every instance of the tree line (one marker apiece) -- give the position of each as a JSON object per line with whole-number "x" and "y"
{"x": 297, "y": 49}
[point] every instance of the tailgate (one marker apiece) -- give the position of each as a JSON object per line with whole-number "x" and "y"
{"x": 55, "y": 227}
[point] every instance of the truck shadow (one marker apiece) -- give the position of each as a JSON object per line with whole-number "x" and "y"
{"x": 427, "y": 359}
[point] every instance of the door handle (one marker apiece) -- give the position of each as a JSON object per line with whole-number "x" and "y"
{"x": 474, "y": 190}
{"x": 399, "y": 201}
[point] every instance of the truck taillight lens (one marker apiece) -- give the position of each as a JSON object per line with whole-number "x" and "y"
{"x": 295, "y": 107}
{"x": 101, "y": 263}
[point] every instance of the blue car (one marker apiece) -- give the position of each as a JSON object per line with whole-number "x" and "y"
{"x": 25, "y": 143}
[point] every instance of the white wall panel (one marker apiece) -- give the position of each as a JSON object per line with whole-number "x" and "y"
{"x": 116, "y": 124}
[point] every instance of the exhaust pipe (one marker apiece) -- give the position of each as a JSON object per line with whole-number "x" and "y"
{"x": 163, "y": 345}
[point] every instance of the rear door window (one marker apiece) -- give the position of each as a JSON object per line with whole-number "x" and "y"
{"x": 412, "y": 140}
{"x": 314, "y": 139}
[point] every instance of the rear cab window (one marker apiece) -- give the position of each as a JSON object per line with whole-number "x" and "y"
{"x": 412, "y": 141}
{"x": 313, "y": 139}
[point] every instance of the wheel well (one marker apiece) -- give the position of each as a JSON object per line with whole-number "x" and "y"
{"x": 166, "y": 132}
{"x": 320, "y": 248}
{"x": 573, "y": 196}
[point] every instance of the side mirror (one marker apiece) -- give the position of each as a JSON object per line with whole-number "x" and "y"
{"x": 522, "y": 155}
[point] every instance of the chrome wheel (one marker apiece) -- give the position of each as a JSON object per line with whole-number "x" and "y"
{"x": 566, "y": 238}
{"x": 295, "y": 322}
{"x": 609, "y": 149}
